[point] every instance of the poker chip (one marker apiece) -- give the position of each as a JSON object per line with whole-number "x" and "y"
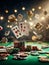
{"x": 2, "y": 47}
{"x": 20, "y": 56}
{"x": 4, "y": 55}
{"x": 7, "y": 33}
{"x": 20, "y": 17}
{"x": 11, "y": 18}
{"x": 43, "y": 47}
{"x": 30, "y": 14}
{"x": 1, "y": 28}
{"x": 23, "y": 55}
{"x": 15, "y": 58}
{"x": 27, "y": 53}
{"x": 44, "y": 59}
{"x": 42, "y": 56}
{"x": 35, "y": 54}
{"x": 3, "y": 58}
{"x": 43, "y": 52}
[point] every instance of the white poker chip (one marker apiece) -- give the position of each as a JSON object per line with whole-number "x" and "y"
{"x": 44, "y": 59}
{"x": 42, "y": 56}
{"x": 35, "y": 54}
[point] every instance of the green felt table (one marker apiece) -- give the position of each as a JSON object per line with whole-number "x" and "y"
{"x": 30, "y": 60}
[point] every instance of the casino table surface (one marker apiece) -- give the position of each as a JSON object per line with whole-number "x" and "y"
{"x": 30, "y": 60}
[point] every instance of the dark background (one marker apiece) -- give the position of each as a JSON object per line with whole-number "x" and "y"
{"x": 17, "y": 4}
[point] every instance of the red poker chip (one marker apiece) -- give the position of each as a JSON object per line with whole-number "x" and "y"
{"x": 1, "y": 28}
{"x": 4, "y": 55}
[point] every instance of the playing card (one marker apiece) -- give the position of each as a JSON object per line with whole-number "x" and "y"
{"x": 16, "y": 32}
{"x": 24, "y": 28}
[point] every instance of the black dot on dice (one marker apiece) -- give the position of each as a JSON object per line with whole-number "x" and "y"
{"x": 13, "y": 29}
{"x": 19, "y": 33}
{"x": 21, "y": 24}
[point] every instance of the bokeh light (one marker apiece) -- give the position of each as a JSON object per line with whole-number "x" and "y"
{"x": 23, "y": 8}
{"x": 6, "y": 11}
{"x": 15, "y": 10}
{"x": 43, "y": 18}
{"x": 39, "y": 7}
{"x": 33, "y": 9}
{"x": 1, "y": 18}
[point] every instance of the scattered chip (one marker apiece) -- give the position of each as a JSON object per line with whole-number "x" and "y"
{"x": 38, "y": 26}
{"x": 1, "y": 28}
{"x": 44, "y": 59}
{"x": 7, "y": 33}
